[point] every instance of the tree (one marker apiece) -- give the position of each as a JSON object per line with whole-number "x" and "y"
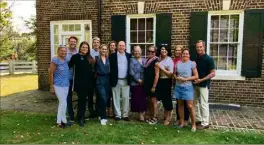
{"x": 6, "y": 31}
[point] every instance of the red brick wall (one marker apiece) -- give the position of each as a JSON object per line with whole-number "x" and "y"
{"x": 54, "y": 10}
{"x": 248, "y": 92}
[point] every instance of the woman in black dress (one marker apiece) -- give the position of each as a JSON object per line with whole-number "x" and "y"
{"x": 83, "y": 67}
{"x": 151, "y": 76}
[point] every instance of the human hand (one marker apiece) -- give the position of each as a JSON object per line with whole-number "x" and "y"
{"x": 198, "y": 81}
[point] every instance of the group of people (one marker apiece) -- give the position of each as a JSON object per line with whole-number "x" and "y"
{"x": 114, "y": 76}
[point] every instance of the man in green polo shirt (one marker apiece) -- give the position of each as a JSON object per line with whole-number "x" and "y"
{"x": 206, "y": 71}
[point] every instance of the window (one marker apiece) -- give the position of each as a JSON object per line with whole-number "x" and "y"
{"x": 60, "y": 31}
{"x": 140, "y": 31}
{"x": 224, "y": 42}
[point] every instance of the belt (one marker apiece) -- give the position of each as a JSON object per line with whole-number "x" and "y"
{"x": 122, "y": 78}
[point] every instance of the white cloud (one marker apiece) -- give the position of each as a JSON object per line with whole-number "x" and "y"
{"x": 22, "y": 9}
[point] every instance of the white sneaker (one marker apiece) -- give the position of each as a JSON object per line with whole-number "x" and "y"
{"x": 103, "y": 121}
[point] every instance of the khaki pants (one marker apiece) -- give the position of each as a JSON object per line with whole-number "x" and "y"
{"x": 124, "y": 88}
{"x": 201, "y": 95}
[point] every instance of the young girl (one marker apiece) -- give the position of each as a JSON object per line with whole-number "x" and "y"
{"x": 59, "y": 83}
{"x": 102, "y": 70}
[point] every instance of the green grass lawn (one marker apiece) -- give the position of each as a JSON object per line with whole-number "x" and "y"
{"x": 18, "y": 83}
{"x": 19, "y": 127}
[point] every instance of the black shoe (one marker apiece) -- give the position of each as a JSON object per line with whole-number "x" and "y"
{"x": 126, "y": 119}
{"x": 92, "y": 116}
{"x": 117, "y": 118}
{"x": 198, "y": 122}
{"x": 69, "y": 123}
{"x": 81, "y": 123}
{"x": 201, "y": 127}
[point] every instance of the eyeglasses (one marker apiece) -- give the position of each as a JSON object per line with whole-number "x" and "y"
{"x": 62, "y": 45}
{"x": 151, "y": 51}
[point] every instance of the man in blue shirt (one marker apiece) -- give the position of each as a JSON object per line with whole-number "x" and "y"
{"x": 119, "y": 65}
{"x": 206, "y": 71}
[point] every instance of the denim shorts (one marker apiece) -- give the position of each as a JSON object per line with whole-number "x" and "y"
{"x": 184, "y": 92}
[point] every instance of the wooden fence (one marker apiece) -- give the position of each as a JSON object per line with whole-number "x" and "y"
{"x": 18, "y": 67}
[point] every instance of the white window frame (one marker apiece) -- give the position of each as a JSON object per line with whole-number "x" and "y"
{"x": 61, "y": 33}
{"x": 137, "y": 16}
{"x": 225, "y": 74}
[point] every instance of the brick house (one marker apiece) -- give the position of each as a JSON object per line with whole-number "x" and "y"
{"x": 233, "y": 31}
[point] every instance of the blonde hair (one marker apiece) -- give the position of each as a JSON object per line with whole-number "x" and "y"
{"x": 179, "y": 46}
{"x": 104, "y": 45}
{"x": 60, "y": 47}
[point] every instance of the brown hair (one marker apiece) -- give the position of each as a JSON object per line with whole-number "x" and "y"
{"x": 201, "y": 41}
{"x": 73, "y": 37}
{"x": 185, "y": 49}
{"x": 88, "y": 54}
{"x": 110, "y": 44}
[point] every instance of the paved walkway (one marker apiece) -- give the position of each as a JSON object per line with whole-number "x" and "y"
{"x": 246, "y": 119}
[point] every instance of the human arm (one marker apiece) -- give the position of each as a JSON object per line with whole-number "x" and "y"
{"x": 211, "y": 74}
{"x": 132, "y": 71}
{"x": 156, "y": 79}
{"x": 51, "y": 76}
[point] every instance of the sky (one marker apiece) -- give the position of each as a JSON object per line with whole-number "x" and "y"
{"x": 22, "y": 9}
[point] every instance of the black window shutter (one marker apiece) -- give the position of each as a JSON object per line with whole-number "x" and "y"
{"x": 163, "y": 29}
{"x": 198, "y": 31}
{"x": 118, "y": 27}
{"x": 252, "y": 43}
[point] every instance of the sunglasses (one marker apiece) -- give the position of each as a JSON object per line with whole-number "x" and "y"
{"x": 151, "y": 51}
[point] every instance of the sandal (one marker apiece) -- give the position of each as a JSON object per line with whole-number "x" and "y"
{"x": 166, "y": 122}
{"x": 153, "y": 121}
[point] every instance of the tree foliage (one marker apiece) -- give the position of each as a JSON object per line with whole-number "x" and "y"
{"x": 6, "y": 31}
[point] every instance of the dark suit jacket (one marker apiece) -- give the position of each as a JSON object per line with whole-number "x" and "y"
{"x": 114, "y": 68}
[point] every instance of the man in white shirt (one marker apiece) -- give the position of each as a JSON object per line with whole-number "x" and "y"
{"x": 96, "y": 45}
{"x": 94, "y": 52}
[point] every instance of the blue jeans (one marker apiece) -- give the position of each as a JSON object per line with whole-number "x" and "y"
{"x": 102, "y": 89}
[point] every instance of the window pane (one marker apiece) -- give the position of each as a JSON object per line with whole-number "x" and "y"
{"x": 222, "y": 65}
{"x": 141, "y": 24}
{"x": 234, "y": 21}
{"x": 143, "y": 48}
{"x": 232, "y": 63}
{"x": 215, "y": 61}
{"x": 55, "y": 48}
{"x": 133, "y": 24}
{"x": 224, "y": 20}
{"x": 223, "y": 35}
{"x": 56, "y": 39}
{"x": 133, "y": 37}
{"x": 214, "y": 21}
{"x": 232, "y": 51}
{"x": 149, "y": 23}
{"x": 71, "y": 27}
{"x": 141, "y": 37}
{"x": 233, "y": 35}
{"x": 56, "y": 29}
{"x": 65, "y": 27}
{"x": 223, "y": 50}
{"x": 214, "y": 50}
{"x": 214, "y": 35}
{"x": 149, "y": 36}
{"x": 77, "y": 27}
